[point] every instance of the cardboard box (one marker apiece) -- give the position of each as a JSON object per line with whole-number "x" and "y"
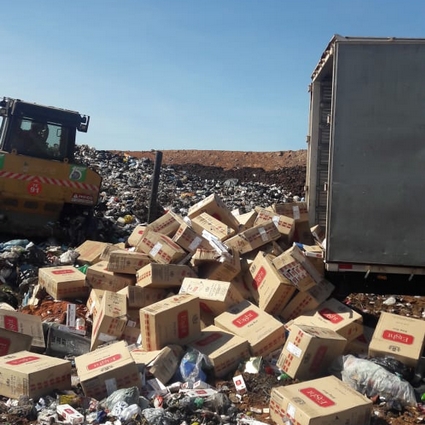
{"x": 167, "y": 224}
{"x": 69, "y": 414}
{"x": 246, "y": 220}
{"x": 174, "y": 320}
{"x": 360, "y": 345}
{"x": 63, "y": 282}
{"x": 297, "y": 210}
{"x": 270, "y": 289}
{"x": 334, "y": 315}
{"x": 106, "y": 370}
{"x": 318, "y": 233}
{"x": 188, "y": 239}
{"x": 106, "y": 253}
{"x": 297, "y": 268}
{"x": 162, "y": 364}
{"x": 99, "y": 277}
{"x": 90, "y": 251}
{"x": 315, "y": 254}
{"x": 93, "y": 301}
{"x": 264, "y": 333}
{"x": 163, "y": 275}
{"x": 400, "y": 337}
{"x": 33, "y": 375}
{"x": 215, "y": 296}
{"x": 224, "y": 349}
{"x": 24, "y": 324}
{"x": 321, "y": 401}
{"x": 206, "y": 222}
{"x": 136, "y": 235}
{"x": 12, "y": 343}
{"x": 127, "y": 262}
{"x": 226, "y": 267}
{"x": 309, "y": 351}
{"x": 307, "y": 300}
{"x": 284, "y": 224}
{"x": 131, "y": 334}
{"x": 214, "y": 206}
{"x": 111, "y": 320}
{"x": 160, "y": 248}
{"x": 138, "y": 297}
{"x": 253, "y": 238}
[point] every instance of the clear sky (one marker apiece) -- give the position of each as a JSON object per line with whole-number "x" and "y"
{"x": 184, "y": 74}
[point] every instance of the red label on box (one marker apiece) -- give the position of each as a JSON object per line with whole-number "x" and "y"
{"x": 317, "y": 397}
{"x": 402, "y": 338}
{"x": 11, "y": 323}
{"x": 4, "y": 346}
{"x": 103, "y": 362}
{"x": 22, "y": 360}
{"x": 245, "y": 318}
{"x": 205, "y": 307}
{"x": 209, "y": 339}
{"x": 66, "y": 271}
{"x": 331, "y": 315}
{"x": 259, "y": 277}
{"x": 183, "y": 324}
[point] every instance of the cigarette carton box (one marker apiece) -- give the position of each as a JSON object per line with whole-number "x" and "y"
{"x": 33, "y": 375}
{"x": 270, "y": 289}
{"x": 160, "y": 248}
{"x": 224, "y": 349}
{"x": 106, "y": 370}
{"x": 400, "y": 337}
{"x": 215, "y": 296}
{"x": 163, "y": 275}
{"x": 63, "y": 282}
{"x": 214, "y": 206}
{"x": 321, "y": 401}
{"x": 333, "y": 314}
{"x": 206, "y": 222}
{"x": 90, "y": 251}
{"x": 175, "y": 320}
{"x": 127, "y": 262}
{"x": 309, "y": 351}
{"x": 264, "y": 333}
{"x": 99, "y": 277}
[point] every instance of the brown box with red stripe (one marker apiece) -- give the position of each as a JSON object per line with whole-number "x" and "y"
{"x": 175, "y": 320}
{"x": 10, "y": 342}
{"x": 106, "y": 370}
{"x": 264, "y": 333}
{"x": 33, "y": 375}
{"x": 63, "y": 282}
{"x": 321, "y": 401}
{"x": 309, "y": 351}
{"x": 400, "y": 337}
{"x": 270, "y": 289}
{"x": 224, "y": 349}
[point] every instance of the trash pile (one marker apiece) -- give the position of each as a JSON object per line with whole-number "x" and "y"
{"x": 209, "y": 314}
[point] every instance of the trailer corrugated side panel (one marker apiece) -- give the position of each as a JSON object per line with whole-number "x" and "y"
{"x": 376, "y": 202}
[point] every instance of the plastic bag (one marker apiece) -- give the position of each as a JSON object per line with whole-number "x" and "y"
{"x": 394, "y": 366}
{"x": 372, "y": 379}
{"x": 128, "y": 395}
{"x": 191, "y": 366}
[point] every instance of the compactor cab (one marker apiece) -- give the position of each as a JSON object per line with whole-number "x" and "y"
{"x": 41, "y": 187}
{"x": 39, "y": 131}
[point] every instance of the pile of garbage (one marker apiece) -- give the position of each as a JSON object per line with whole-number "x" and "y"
{"x": 216, "y": 312}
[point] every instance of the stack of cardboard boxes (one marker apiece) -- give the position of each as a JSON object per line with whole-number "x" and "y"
{"x": 230, "y": 286}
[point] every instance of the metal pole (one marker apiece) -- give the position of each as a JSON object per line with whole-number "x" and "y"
{"x": 153, "y": 204}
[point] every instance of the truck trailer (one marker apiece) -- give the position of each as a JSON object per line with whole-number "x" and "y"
{"x": 366, "y": 157}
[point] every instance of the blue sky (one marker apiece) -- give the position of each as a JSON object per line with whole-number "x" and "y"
{"x": 185, "y": 74}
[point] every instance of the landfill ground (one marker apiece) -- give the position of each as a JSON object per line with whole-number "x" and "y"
{"x": 256, "y": 175}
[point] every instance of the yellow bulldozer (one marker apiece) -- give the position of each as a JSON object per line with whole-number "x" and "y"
{"x": 43, "y": 192}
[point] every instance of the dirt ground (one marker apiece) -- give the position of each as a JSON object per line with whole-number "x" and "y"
{"x": 229, "y": 160}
